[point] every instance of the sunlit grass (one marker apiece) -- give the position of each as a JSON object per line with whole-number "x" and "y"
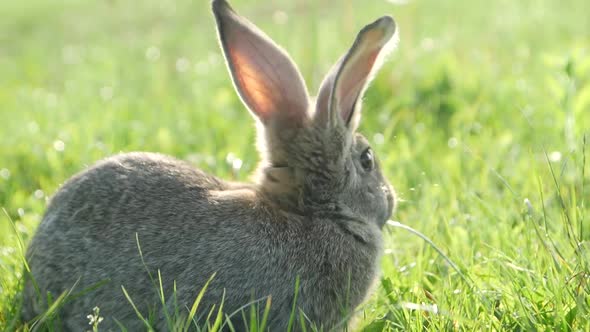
{"x": 480, "y": 120}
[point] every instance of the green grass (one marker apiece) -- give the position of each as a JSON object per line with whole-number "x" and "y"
{"x": 481, "y": 119}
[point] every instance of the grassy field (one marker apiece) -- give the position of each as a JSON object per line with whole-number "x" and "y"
{"x": 481, "y": 119}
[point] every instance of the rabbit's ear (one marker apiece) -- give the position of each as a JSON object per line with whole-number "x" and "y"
{"x": 266, "y": 79}
{"x": 346, "y": 82}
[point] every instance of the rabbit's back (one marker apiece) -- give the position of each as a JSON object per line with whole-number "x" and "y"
{"x": 188, "y": 226}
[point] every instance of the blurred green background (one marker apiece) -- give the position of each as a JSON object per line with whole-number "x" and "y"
{"x": 484, "y": 104}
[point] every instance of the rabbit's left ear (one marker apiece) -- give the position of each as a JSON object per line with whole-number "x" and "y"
{"x": 265, "y": 77}
{"x": 343, "y": 87}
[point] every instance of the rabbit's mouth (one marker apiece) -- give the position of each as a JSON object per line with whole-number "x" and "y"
{"x": 390, "y": 197}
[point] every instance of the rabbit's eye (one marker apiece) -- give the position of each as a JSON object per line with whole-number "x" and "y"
{"x": 367, "y": 161}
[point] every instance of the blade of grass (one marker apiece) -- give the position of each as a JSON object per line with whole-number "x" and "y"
{"x": 293, "y": 314}
{"x": 196, "y": 303}
{"x": 53, "y": 308}
{"x": 582, "y": 205}
{"x": 467, "y": 279}
{"x": 219, "y": 318}
{"x": 241, "y": 309}
{"x": 571, "y": 234}
{"x": 264, "y": 321}
{"x": 253, "y": 318}
{"x": 163, "y": 300}
{"x": 147, "y": 324}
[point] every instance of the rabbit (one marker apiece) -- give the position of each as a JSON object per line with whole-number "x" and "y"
{"x": 306, "y": 233}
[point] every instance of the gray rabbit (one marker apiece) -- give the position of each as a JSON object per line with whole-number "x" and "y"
{"x": 312, "y": 217}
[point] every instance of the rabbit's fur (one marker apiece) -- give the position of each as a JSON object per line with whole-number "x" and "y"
{"x": 314, "y": 211}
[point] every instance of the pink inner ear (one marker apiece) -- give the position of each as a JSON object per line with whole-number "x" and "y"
{"x": 344, "y": 85}
{"x": 264, "y": 75}
{"x": 257, "y": 93}
{"x": 359, "y": 74}
{"x": 356, "y": 78}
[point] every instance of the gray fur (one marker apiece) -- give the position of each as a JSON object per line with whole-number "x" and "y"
{"x": 312, "y": 212}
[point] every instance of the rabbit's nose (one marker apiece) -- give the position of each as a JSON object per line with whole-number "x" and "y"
{"x": 390, "y": 198}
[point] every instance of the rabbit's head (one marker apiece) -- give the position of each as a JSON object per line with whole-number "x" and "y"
{"x": 312, "y": 157}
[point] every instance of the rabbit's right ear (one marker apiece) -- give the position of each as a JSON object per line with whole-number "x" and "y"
{"x": 266, "y": 79}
